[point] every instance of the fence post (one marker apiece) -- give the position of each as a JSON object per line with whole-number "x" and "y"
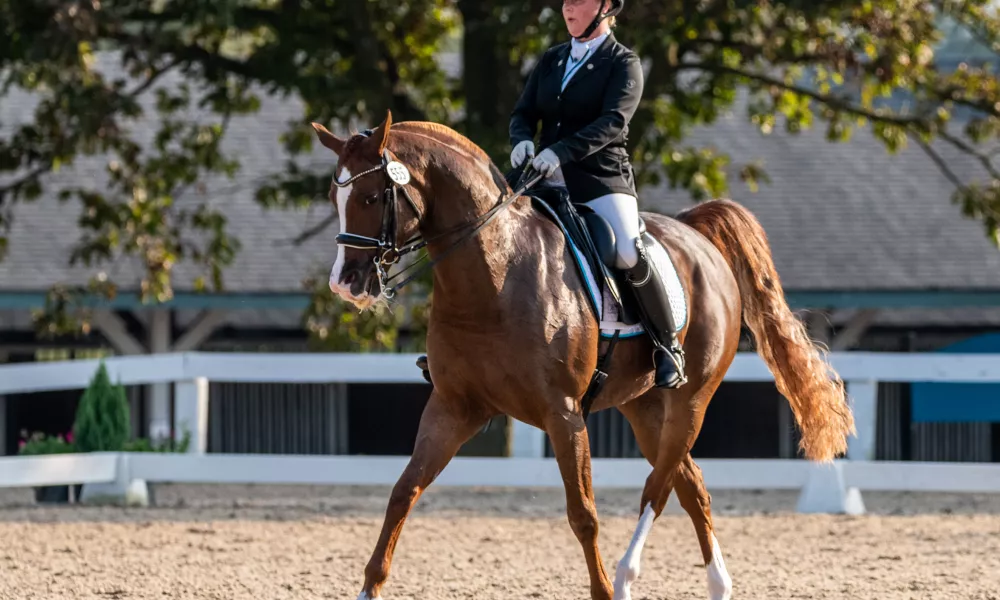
{"x": 864, "y": 403}
{"x": 191, "y": 413}
{"x": 826, "y": 492}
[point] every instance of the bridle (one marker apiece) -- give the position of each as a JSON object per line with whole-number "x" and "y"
{"x": 387, "y": 252}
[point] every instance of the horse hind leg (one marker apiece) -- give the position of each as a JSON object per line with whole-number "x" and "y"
{"x": 665, "y": 428}
{"x": 645, "y": 414}
{"x": 697, "y": 502}
{"x": 444, "y": 427}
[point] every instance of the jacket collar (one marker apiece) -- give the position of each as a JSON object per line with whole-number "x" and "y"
{"x": 583, "y": 47}
{"x": 600, "y": 51}
{"x": 599, "y": 55}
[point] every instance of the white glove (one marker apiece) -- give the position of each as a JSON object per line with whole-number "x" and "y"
{"x": 546, "y": 163}
{"x": 520, "y": 152}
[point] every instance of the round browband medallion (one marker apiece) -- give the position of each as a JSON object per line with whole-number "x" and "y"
{"x": 398, "y": 173}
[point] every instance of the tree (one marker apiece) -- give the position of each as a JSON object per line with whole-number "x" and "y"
{"x": 840, "y": 65}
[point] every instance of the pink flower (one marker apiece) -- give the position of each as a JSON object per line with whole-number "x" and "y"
{"x": 22, "y": 444}
{"x": 69, "y": 437}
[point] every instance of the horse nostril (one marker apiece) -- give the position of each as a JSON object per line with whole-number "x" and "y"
{"x": 349, "y": 279}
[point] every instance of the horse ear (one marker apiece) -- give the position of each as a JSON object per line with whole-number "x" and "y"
{"x": 382, "y": 133}
{"x": 328, "y": 139}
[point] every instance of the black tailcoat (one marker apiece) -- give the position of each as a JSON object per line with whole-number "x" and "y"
{"x": 586, "y": 125}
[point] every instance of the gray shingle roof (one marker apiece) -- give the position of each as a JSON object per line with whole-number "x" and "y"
{"x": 839, "y": 216}
{"x": 851, "y": 216}
{"x": 45, "y": 230}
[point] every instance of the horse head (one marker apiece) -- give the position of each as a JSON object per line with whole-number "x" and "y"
{"x": 366, "y": 185}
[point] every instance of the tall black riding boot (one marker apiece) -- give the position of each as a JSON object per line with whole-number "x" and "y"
{"x": 654, "y": 309}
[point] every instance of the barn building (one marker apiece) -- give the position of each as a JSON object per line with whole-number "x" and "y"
{"x": 868, "y": 245}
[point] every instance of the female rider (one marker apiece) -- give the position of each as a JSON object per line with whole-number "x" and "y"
{"x": 585, "y": 92}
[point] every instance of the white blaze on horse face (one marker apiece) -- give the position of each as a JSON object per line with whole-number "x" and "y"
{"x": 628, "y": 566}
{"x": 720, "y": 585}
{"x": 365, "y": 300}
{"x": 342, "y": 195}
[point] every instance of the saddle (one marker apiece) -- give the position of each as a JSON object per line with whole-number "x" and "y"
{"x": 595, "y": 238}
{"x": 592, "y": 234}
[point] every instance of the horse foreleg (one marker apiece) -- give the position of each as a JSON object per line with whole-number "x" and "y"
{"x": 444, "y": 427}
{"x": 568, "y": 433}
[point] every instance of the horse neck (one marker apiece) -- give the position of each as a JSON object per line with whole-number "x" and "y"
{"x": 469, "y": 282}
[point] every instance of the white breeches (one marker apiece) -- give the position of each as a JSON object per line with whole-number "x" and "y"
{"x": 622, "y": 212}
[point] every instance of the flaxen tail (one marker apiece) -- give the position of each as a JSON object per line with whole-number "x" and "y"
{"x": 813, "y": 389}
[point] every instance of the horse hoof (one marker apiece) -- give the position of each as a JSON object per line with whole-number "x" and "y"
{"x": 365, "y": 596}
{"x": 624, "y": 577}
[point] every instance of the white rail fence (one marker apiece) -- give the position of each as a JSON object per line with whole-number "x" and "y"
{"x": 823, "y": 488}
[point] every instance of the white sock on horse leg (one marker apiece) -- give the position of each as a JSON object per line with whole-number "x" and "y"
{"x": 365, "y": 596}
{"x": 720, "y": 585}
{"x": 628, "y": 566}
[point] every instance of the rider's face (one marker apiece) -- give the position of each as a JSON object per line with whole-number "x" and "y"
{"x": 579, "y": 14}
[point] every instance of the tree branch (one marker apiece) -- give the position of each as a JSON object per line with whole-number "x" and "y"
{"x": 311, "y": 232}
{"x": 841, "y": 104}
{"x": 952, "y": 177}
{"x": 940, "y": 162}
{"x": 966, "y": 148}
{"x": 34, "y": 173}
{"x": 156, "y": 74}
{"x": 973, "y": 27}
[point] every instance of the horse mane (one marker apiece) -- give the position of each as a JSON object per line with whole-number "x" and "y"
{"x": 449, "y": 136}
{"x": 445, "y": 134}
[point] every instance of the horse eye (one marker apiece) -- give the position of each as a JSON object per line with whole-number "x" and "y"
{"x": 372, "y": 199}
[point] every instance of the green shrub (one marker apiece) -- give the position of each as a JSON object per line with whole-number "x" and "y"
{"x": 167, "y": 445}
{"x": 102, "y": 417}
{"x": 39, "y": 444}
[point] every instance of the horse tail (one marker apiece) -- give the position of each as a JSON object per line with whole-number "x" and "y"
{"x": 813, "y": 389}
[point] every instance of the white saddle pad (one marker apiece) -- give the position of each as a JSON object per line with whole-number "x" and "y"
{"x": 610, "y": 319}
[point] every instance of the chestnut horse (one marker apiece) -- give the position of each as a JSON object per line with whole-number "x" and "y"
{"x": 511, "y": 331}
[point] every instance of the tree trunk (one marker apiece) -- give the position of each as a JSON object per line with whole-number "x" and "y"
{"x": 490, "y": 83}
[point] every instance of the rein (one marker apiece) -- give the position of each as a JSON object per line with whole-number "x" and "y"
{"x": 388, "y": 253}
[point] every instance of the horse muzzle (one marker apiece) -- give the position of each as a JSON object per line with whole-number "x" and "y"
{"x": 357, "y": 284}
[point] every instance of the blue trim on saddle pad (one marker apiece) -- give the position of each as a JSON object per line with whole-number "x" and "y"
{"x": 593, "y": 290}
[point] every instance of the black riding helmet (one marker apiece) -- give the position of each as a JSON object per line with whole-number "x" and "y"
{"x": 616, "y": 7}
